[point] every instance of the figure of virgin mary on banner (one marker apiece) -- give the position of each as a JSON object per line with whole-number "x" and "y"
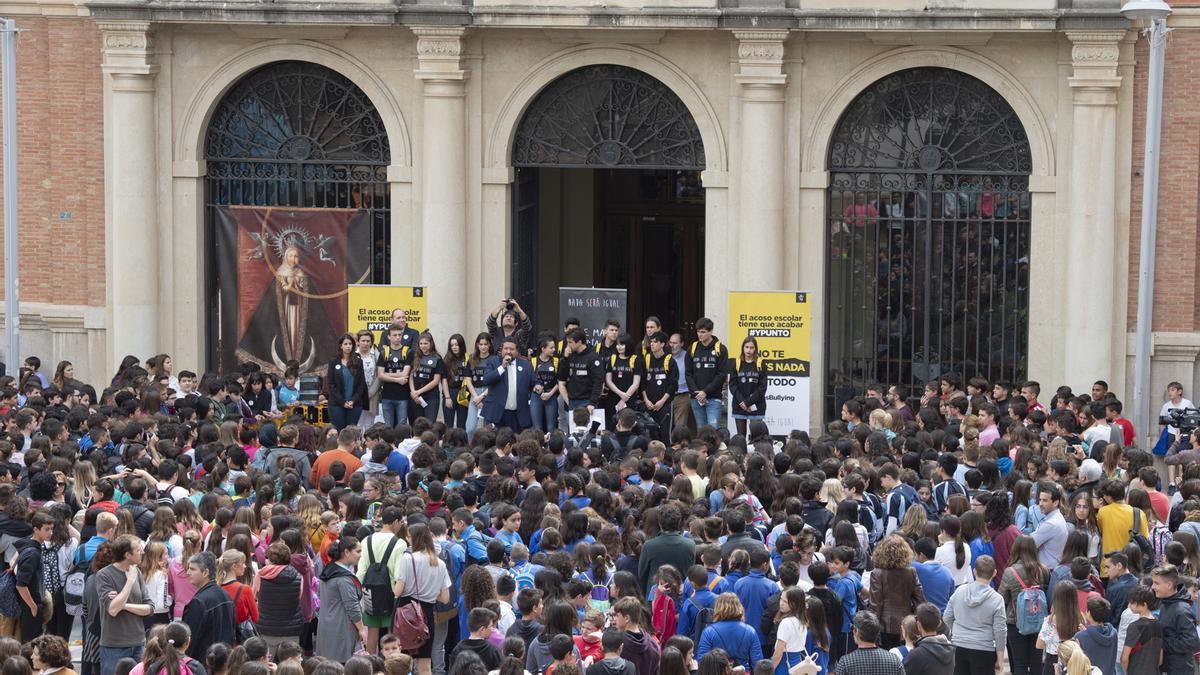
{"x": 283, "y": 275}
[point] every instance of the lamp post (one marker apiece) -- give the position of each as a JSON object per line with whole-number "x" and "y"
{"x": 1155, "y": 12}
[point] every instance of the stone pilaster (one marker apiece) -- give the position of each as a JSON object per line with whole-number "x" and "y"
{"x": 763, "y": 134}
{"x": 1092, "y": 226}
{"x": 129, "y": 77}
{"x": 443, "y": 175}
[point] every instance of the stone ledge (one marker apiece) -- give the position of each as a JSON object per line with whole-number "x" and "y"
{"x": 1167, "y": 345}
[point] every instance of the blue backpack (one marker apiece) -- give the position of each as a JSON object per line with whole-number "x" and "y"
{"x": 1031, "y": 607}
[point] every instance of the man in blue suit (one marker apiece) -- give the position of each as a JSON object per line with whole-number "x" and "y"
{"x": 509, "y": 380}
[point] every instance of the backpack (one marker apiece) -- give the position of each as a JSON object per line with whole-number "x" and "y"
{"x": 703, "y": 620}
{"x": 600, "y": 600}
{"x": 524, "y": 578}
{"x": 481, "y": 538}
{"x": 1136, "y": 536}
{"x": 10, "y": 603}
{"x": 442, "y": 611}
{"x": 409, "y": 622}
{"x": 378, "y": 598}
{"x": 73, "y": 585}
{"x": 1031, "y": 607}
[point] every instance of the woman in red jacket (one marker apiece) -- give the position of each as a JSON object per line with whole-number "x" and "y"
{"x": 230, "y": 568}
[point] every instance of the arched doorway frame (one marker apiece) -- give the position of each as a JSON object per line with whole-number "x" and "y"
{"x": 498, "y": 170}
{"x": 814, "y": 181}
{"x": 188, "y": 169}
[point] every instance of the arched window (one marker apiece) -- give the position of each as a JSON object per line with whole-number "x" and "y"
{"x": 928, "y": 236}
{"x": 295, "y": 135}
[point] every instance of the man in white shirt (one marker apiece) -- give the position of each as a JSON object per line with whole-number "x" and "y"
{"x": 1051, "y": 533}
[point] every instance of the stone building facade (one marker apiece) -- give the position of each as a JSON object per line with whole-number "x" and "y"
{"x": 798, "y": 174}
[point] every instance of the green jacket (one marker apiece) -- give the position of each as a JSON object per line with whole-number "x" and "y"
{"x": 668, "y": 548}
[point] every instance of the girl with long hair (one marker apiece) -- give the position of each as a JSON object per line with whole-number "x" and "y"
{"x": 164, "y": 529}
{"x": 1024, "y": 511}
{"x": 668, "y": 592}
{"x": 83, "y": 483}
{"x": 953, "y": 552}
{"x": 457, "y": 372}
{"x": 1060, "y": 626}
{"x": 231, "y": 568}
{"x": 346, "y": 384}
{"x": 483, "y": 351}
{"x": 155, "y": 573}
{"x": 1082, "y": 518}
{"x": 178, "y": 585}
{"x": 791, "y": 639}
{"x": 748, "y": 386}
{"x": 1024, "y": 571}
{"x": 544, "y": 403}
{"x": 423, "y": 579}
{"x": 974, "y": 532}
{"x": 426, "y": 379}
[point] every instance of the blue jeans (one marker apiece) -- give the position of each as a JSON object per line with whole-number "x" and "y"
{"x": 544, "y": 413}
{"x": 343, "y": 417}
{"x": 473, "y": 415}
{"x": 708, "y": 413}
{"x": 110, "y": 655}
{"x": 394, "y": 413}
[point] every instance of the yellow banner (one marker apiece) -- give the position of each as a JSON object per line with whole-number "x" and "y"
{"x": 371, "y": 307}
{"x": 780, "y": 321}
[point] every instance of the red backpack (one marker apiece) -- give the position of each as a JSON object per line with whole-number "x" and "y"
{"x": 409, "y": 624}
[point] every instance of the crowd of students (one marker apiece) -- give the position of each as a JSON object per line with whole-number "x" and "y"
{"x": 191, "y": 533}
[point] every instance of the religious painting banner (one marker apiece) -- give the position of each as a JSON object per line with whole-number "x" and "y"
{"x": 780, "y": 321}
{"x": 283, "y": 275}
{"x": 370, "y": 307}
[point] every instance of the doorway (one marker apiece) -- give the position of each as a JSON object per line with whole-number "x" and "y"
{"x": 637, "y": 229}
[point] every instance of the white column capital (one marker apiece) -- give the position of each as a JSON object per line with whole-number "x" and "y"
{"x": 128, "y": 48}
{"x": 760, "y": 58}
{"x": 439, "y": 57}
{"x": 1095, "y": 55}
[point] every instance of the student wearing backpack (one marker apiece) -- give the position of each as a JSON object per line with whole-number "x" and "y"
{"x": 279, "y": 588}
{"x": 1023, "y": 589}
{"x": 378, "y": 570}
{"x": 474, "y": 541}
{"x": 696, "y": 613}
{"x": 900, "y": 496}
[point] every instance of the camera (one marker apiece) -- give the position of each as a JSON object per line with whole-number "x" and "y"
{"x": 511, "y": 304}
{"x": 1185, "y": 419}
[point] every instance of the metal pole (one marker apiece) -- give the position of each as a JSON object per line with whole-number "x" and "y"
{"x": 1143, "y": 421}
{"x": 12, "y": 316}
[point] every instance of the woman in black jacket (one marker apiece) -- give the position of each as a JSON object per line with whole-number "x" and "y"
{"x": 345, "y": 385}
{"x": 749, "y": 387}
{"x": 279, "y": 588}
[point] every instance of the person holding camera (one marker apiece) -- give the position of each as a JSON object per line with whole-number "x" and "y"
{"x": 513, "y": 323}
{"x": 1171, "y": 432}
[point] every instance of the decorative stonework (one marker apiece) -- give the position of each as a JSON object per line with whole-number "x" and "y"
{"x": 439, "y": 53}
{"x": 128, "y": 48}
{"x": 1095, "y": 56}
{"x": 760, "y": 56}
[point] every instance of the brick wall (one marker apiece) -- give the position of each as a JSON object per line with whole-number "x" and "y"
{"x": 60, "y": 137}
{"x": 1177, "y": 273}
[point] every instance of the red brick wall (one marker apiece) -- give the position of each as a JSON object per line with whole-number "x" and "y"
{"x": 60, "y": 137}
{"x": 1177, "y": 274}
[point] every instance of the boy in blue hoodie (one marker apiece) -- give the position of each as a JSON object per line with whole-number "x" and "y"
{"x": 756, "y": 589}
{"x": 900, "y": 496}
{"x": 847, "y": 584}
{"x": 702, "y": 599}
{"x": 1099, "y": 639}
{"x": 710, "y": 558}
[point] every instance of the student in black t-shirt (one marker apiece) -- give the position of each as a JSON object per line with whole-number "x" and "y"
{"x": 1143, "y": 648}
{"x": 393, "y": 370}
{"x": 622, "y": 379}
{"x": 544, "y": 404}
{"x": 425, "y": 383}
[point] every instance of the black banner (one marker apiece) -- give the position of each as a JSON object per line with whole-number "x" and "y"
{"x": 593, "y": 306}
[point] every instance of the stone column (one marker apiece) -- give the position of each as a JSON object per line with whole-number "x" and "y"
{"x": 443, "y": 178}
{"x": 129, "y": 77}
{"x": 1092, "y": 210}
{"x": 760, "y": 160}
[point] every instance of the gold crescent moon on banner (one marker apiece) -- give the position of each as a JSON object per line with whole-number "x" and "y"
{"x": 262, "y": 244}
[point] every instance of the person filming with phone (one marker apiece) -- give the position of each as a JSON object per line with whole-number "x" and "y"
{"x": 513, "y": 323}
